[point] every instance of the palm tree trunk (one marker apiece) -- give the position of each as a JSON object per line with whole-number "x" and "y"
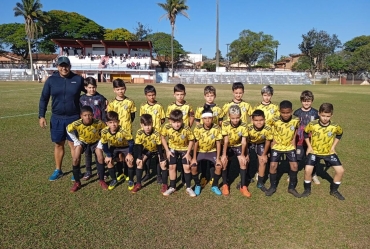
{"x": 172, "y": 31}
{"x": 31, "y": 62}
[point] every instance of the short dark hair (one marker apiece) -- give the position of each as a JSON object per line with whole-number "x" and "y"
{"x": 86, "y": 108}
{"x": 285, "y": 104}
{"x": 149, "y": 89}
{"x": 258, "y": 113}
{"x": 90, "y": 81}
{"x": 146, "y": 119}
{"x": 112, "y": 116}
{"x": 179, "y": 88}
{"x": 209, "y": 89}
{"x": 327, "y": 108}
{"x": 118, "y": 83}
{"x": 267, "y": 89}
{"x": 207, "y": 109}
{"x": 237, "y": 85}
{"x": 306, "y": 95}
{"x": 176, "y": 115}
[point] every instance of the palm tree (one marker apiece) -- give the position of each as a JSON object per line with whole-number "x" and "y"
{"x": 172, "y": 9}
{"x": 31, "y": 11}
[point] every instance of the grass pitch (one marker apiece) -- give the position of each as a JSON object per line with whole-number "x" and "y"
{"x": 36, "y": 213}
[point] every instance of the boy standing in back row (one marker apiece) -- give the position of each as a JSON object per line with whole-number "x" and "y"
{"x": 245, "y": 108}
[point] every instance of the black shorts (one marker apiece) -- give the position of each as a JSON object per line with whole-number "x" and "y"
{"x": 89, "y": 148}
{"x": 234, "y": 151}
{"x": 301, "y": 152}
{"x": 257, "y": 148}
{"x": 207, "y": 156}
{"x": 276, "y": 155}
{"x": 115, "y": 151}
{"x": 150, "y": 154}
{"x": 330, "y": 160}
{"x": 178, "y": 155}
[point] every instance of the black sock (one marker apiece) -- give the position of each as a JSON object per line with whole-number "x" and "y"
{"x": 88, "y": 162}
{"x": 212, "y": 172}
{"x": 76, "y": 172}
{"x": 112, "y": 173}
{"x": 307, "y": 186}
{"x": 187, "y": 179}
{"x": 216, "y": 178}
{"x": 147, "y": 166}
{"x": 119, "y": 168}
{"x": 158, "y": 170}
{"x": 334, "y": 187}
{"x": 126, "y": 169}
{"x": 165, "y": 176}
{"x": 139, "y": 173}
{"x": 292, "y": 179}
{"x": 260, "y": 179}
{"x": 173, "y": 183}
{"x": 100, "y": 169}
{"x": 196, "y": 179}
{"x": 243, "y": 173}
{"x": 131, "y": 174}
{"x": 224, "y": 176}
{"x": 273, "y": 180}
{"x": 203, "y": 168}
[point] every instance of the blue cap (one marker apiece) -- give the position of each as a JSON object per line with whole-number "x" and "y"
{"x": 63, "y": 59}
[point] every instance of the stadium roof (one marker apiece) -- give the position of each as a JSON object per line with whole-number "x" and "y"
{"x": 77, "y": 43}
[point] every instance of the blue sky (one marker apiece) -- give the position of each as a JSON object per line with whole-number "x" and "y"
{"x": 285, "y": 20}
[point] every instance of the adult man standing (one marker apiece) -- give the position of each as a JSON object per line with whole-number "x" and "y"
{"x": 65, "y": 88}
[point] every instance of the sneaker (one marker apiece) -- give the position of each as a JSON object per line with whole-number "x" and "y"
{"x": 121, "y": 177}
{"x": 159, "y": 179}
{"x": 203, "y": 182}
{"x": 190, "y": 192}
{"x": 197, "y": 189}
{"x": 315, "y": 179}
{"x": 87, "y": 176}
{"x": 216, "y": 190}
{"x": 76, "y": 186}
{"x": 112, "y": 184}
{"x": 169, "y": 191}
{"x": 127, "y": 178}
{"x": 294, "y": 192}
{"x": 261, "y": 187}
{"x": 306, "y": 193}
{"x": 103, "y": 184}
{"x": 245, "y": 192}
{"x": 225, "y": 190}
{"x": 56, "y": 175}
{"x": 270, "y": 191}
{"x": 136, "y": 188}
{"x": 130, "y": 185}
{"x": 211, "y": 181}
{"x": 145, "y": 178}
{"x": 337, "y": 195}
{"x": 164, "y": 188}
{"x": 238, "y": 185}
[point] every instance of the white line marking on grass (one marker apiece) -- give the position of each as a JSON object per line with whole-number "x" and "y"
{"x": 22, "y": 89}
{"x": 20, "y": 115}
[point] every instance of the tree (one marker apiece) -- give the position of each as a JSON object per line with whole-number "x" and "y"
{"x": 316, "y": 45}
{"x": 210, "y": 66}
{"x": 31, "y": 11}
{"x": 141, "y": 31}
{"x": 336, "y": 62}
{"x": 359, "y": 60}
{"x": 251, "y": 46}
{"x": 356, "y": 42}
{"x": 119, "y": 34}
{"x": 303, "y": 64}
{"x": 221, "y": 58}
{"x": 163, "y": 48}
{"x": 173, "y": 8}
{"x": 13, "y": 35}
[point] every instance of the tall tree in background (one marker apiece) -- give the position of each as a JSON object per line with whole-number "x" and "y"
{"x": 141, "y": 31}
{"x": 172, "y": 9}
{"x": 31, "y": 11}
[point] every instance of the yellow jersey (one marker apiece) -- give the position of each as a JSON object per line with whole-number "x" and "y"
{"x": 187, "y": 111}
{"x": 218, "y": 114}
{"x": 245, "y": 108}
{"x": 156, "y": 111}
{"x": 87, "y": 134}
{"x": 118, "y": 139}
{"x": 124, "y": 108}
{"x": 234, "y": 134}
{"x": 284, "y": 132}
{"x": 259, "y": 136}
{"x": 271, "y": 110}
{"x": 207, "y": 138}
{"x": 149, "y": 141}
{"x": 177, "y": 139}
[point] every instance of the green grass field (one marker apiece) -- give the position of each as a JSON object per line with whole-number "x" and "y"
{"x": 36, "y": 213}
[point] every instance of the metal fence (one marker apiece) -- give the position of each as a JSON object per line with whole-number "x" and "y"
{"x": 15, "y": 75}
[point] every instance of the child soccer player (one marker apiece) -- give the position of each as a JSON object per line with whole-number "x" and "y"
{"x": 235, "y": 136}
{"x": 98, "y": 103}
{"x": 305, "y": 114}
{"x": 115, "y": 141}
{"x": 155, "y": 109}
{"x": 207, "y": 146}
{"x": 284, "y": 130}
{"x": 325, "y": 136}
{"x": 259, "y": 140}
{"x": 125, "y": 107}
{"x": 88, "y": 130}
{"x": 269, "y": 109}
{"x": 246, "y": 108}
{"x": 149, "y": 144}
{"x": 180, "y": 143}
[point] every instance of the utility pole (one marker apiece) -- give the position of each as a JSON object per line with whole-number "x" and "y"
{"x": 227, "y": 56}
{"x": 217, "y": 48}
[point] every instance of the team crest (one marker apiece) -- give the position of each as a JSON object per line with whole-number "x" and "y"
{"x": 184, "y": 113}
{"x": 212, "y": 136}
{"x": 119, "y": 139}
{"x": 215, "y": 114}
{"x": 239, "y": 133}
{"x": 330, "y": 134}
{"x": 263, "y": 136}
{"x": 243, "y": 109}
{"x": 93, "y": 130}
{"x": 272, "y": 111}
{"x": 96, "y": 102}
{"x": 182, "y": 137}
{"x": 292, "y": 128}
{"x": 125, "y": 107}
{"x": 155, "y": 112}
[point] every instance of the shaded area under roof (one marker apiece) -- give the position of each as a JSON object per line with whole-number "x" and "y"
{"x": 77, "y": 43}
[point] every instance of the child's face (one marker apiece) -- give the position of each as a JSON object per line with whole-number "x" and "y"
{"x": 147, "y": 128}
{"x": 266, "y": 97}
{"x": 238, "y": 94}
{"x": 258, "y": 122}
{"x": 210, "y": 98}
{"x": 176, "y": 125}
{"x": 119, "y": 91}
{"x": 207, "y": 121}
{"x": 113, "y": 125}
{"x": 90, "y": 89}
{"x": 306, "y": 104}
{"x": 150, "y": 97}
{"x": 286, "y": 113}
{"x": 234, "y": 119}
{"x": 179, "y": 96}
{"x": 325, "y": 117}
{"x": 87, "y": 118}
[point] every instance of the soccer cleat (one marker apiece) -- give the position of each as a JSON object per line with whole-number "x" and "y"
{"x": 203, "y": 182}
{"x": 76, "y": 186}
{"x": 164, "y": 188}
{"x": 216, "y": 190}
{"x": 130, "y": 185}
{"x": 103, "y": 184}
{"x": 169, "y": 191}
{"x": 137, "y": 187}
{"x": 87, "y": 176}
{"x": 294, "y": 192}
{"x": 190, "y": 192}
{"x": 197, "y": 189}
{"x": 145, "y": 178}
{"x": 261, "y": 187}
{"x": 306, "y": 193}
{"x": 245, "y": 192}
{"x": 127, "y": 178}
{"x": 270, "y": 191}
{"x": 159, "y": 179}
{"x": 121, "y": 177}
{"x": 225, "y": 190}
{"x": 112, "y": 184}
{"x": 315, "y": 179}
{"x": 337, "y": 195}
{"x": 56, "y": 175}
{"x": 211, "y": 181}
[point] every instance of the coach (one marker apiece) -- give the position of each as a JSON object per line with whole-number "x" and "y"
{"x": 65, "y": 88}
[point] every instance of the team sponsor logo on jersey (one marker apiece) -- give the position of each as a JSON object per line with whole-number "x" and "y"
{"x": 73, "y": 82}
{"x": 330, "y": 134}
